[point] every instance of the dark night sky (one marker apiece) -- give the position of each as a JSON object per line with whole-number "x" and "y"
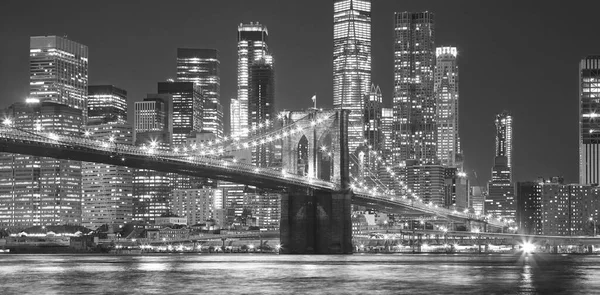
{"x": 521, "y": 56}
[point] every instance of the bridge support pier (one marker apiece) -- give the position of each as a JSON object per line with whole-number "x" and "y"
{"x": 316, "y": 222}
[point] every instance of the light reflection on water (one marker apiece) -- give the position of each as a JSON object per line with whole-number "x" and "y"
{"x": 278, "y": 274}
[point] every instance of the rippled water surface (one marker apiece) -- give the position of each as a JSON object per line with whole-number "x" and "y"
{"x": 284, "y": 274}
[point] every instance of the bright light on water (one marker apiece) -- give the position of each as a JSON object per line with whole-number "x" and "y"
{"x": 288, "y": 274}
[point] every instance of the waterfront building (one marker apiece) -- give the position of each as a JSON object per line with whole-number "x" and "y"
{"x": 550, "y": 207}
{"x": 584, "y": 209}
{"x": 153, "y": 128}
{"x": 414, "y": 100}
{"x": 38, "y": 190}
{"x": 187, "y": 105}
{"x": 477, "y": 198}
{"x": 196, "y": 205}
{"x": 252, "y": 45}
{"x": 352, "y": 62}
{"x": 446, "y": 100}
{"x": 202, "y": 67}
{"x": 529, "y": 210}
{"x": 261, "y": 107}
{"x": 106, "y": 104}
{"x": 263, "y": 208}
{"x": 58, "y": 71}
{"x": 589, "y": 120}
{"x": 500, "y": 200}
{"x": 107, "y": 189}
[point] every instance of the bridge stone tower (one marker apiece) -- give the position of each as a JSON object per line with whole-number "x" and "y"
{"x": 317, "y": 221}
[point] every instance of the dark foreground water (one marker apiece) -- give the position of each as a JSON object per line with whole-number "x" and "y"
{"x": 284, "y": 274}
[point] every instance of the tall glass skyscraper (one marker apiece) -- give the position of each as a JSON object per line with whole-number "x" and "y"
{"x": 352, "y": 62}
{"x": 261, "y": 105}
{"x": 589, "y": 120}
{"x": 501, "y": 196}
{"x": 414, "y": 100}
{"x": 504, "y": 136}
{"x": 58, "y": 70}
{"x": 252, "y": 46}
{"x": 446, "y": 96}
{"x": 202, "y": 67}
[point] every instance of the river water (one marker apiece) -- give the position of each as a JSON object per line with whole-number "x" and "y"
{"x": 284, "y": 274}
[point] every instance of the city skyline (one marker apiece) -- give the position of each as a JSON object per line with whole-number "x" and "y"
{"x": 477, "y": 138}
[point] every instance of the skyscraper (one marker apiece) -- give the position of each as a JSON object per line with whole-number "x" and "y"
{"x": 261, "y": 107}
{"x": 106, "y": 104}
{"x": 414, "y": 99}
{"x": 504, "y": 136}
{"x": 235, "y": 118}
{"x": 446, "y": 96}
{"x": 202, "y": 67}
{"x": 252, "y": 45}
{"x": 107, "y": 189}
{"x": 500, "y": 200}
{"x": 372, "y": 118}
{"x": 38, "y": 190}
{"x": 352, "y": 62}
{"x": 153, "y": 128}
{"x": 589, "y": 120}
{"x": 187, "y": 106}
{"x": 58, "y": 71}
{"x": 387, "y": 122}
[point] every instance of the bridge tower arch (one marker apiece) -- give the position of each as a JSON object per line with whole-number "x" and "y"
{"x": 317, "y": 221}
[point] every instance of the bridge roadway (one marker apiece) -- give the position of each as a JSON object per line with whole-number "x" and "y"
{"x": 13, "y": 140}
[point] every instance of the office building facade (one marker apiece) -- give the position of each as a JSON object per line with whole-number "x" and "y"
{"x": 38, "y": 190}
{"x": 589, "y": 120}
{"x": 202, "y": 67}
{"x": 252, "y": 45}
{"x": 187, "y": 108}
{"x": 352, "y": 62}
{"x": 414, "y": 100}
{"x": 106, "y": 104}
{"x": 153, "y": 129}
{"x": 504, "y": 136}
{"x": 107, "y": 189}
{"x": 261, "y": 107}
{"x": 446, "y": 99}
{"x": 58, "y": 71}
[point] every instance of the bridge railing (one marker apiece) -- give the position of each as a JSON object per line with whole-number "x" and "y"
{"x": 161, "y": 155}
{"x": 67, "y": 141}
{"x": 425, "y": 207}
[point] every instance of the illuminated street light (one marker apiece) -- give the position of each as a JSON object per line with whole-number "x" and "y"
{"x": 7, "y": 122}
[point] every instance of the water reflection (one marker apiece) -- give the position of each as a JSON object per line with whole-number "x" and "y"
{"x": 278, "y": 274}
